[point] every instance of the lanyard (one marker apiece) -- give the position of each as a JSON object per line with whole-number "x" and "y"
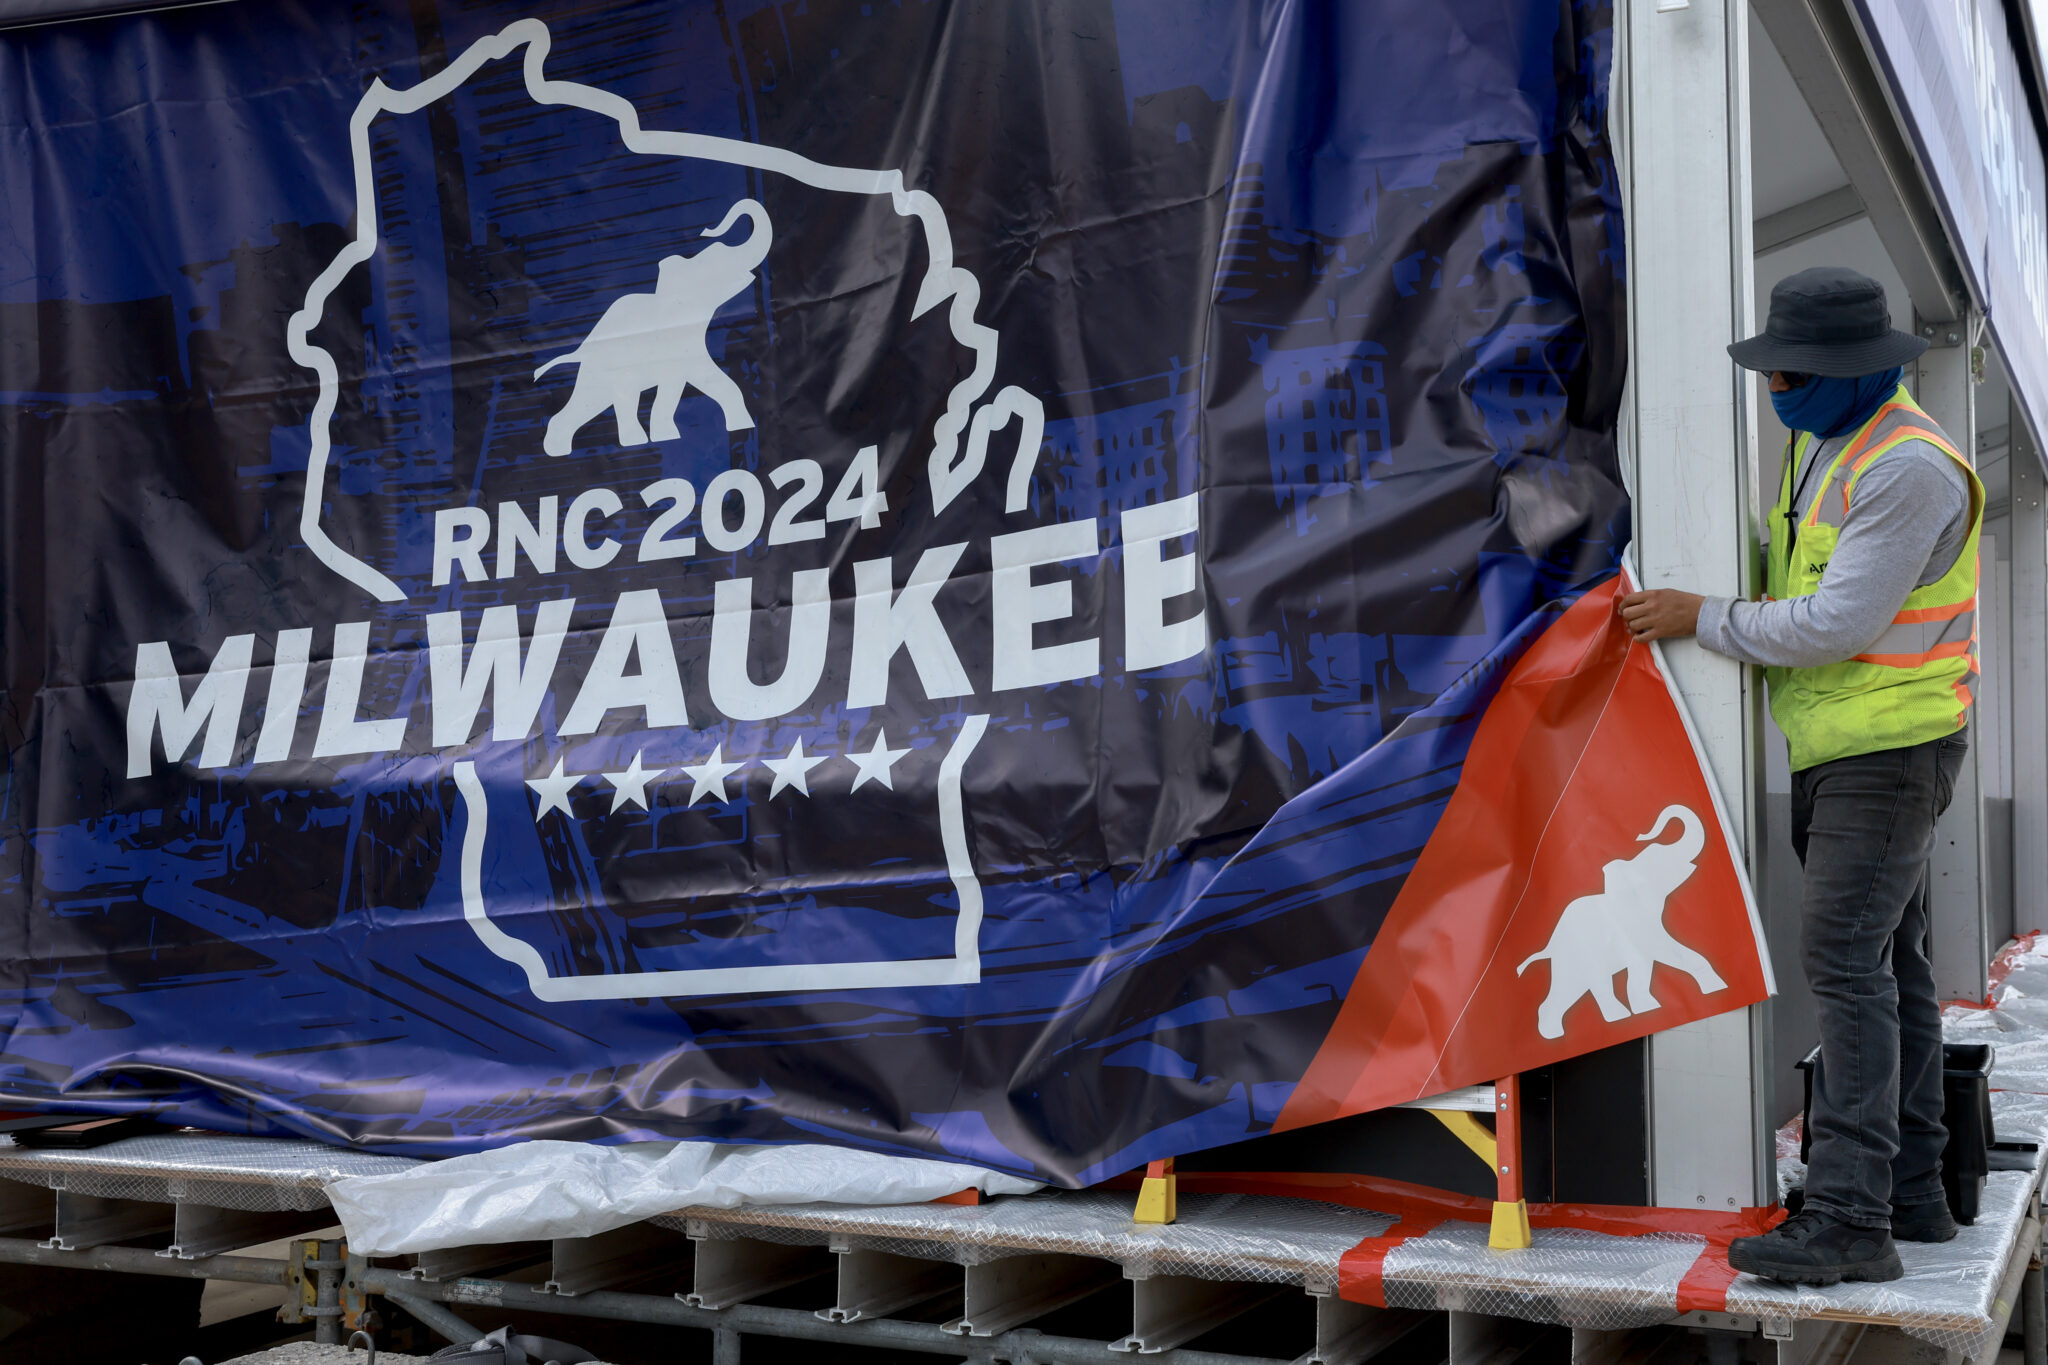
{"x": 1792, "y": 502}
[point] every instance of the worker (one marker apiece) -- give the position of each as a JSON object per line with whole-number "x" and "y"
{"x": 1868, "y": 641}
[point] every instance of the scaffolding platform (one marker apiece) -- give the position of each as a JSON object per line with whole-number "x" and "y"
{"x": 1341, "y": 1275}
{"x": 998, "y": 1266}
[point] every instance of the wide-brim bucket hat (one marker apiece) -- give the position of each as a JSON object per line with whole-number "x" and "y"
{"x": 1828, "y": 321}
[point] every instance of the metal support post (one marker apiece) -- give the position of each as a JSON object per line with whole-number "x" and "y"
{"x": 2034, "y": 1315}
{"x": 85, "y": 1220}
{"x": 1500, "y": 1147}
{"x": 1485, "y": 1339}
{"x": 1347, "y": 1333}
{"x": 2029, "y": 690}
{"x": 27, "y": 1208}
{"x": 2022, "y": 1275}
{"x": 1602, "y": 1346}
{"x": 144, "y": 1261}
{"x": 1510, "y": 1208}
{"x": 638, "y": 1251}
{"x": 199, "y": 1230}
{"x": 1007, "y": 1293}
{"x": 874, "y": 1284}
{"x": 326, "y": 1310}
{"x": 880, "y": 1334}
{"x": 730, "y": 1271}
{"x": 457, "y": 1263}
{"x": 1959, "y": 925}
{"x": 1681, "y": 97}
{"x": 1167, "y": 1310}
{"x": 436, "y": 1319}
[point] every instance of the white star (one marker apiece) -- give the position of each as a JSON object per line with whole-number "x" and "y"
{"x": 792, "y": 769}
{"x": 876, "y": 762}
{"x": 632, "y": 783}
{"x": 708, "y": 778}
{"x": 553, "y": 791}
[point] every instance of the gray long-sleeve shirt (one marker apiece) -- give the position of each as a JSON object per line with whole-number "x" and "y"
{"x": 1907, "y": 523}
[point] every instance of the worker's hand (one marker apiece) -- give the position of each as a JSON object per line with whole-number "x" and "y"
{"x": 1660, "y": 614}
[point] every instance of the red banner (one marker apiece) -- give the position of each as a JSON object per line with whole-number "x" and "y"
{"x": 1581, "y": 889}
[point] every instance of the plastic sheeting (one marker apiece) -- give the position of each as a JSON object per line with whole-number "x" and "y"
{"x": 1254, "y": 1238}
{"x": 1577, "y": 1276}
{"x": 1569, "y": 1276}
{"x": 2016, "y": 1025}
{"x": 1949, "y": 1292}
{"x": 541, "y": 1190}
{"x": 217, "y": 1170}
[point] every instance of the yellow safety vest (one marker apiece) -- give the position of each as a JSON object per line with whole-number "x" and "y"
{"x": 1912, "y": 685}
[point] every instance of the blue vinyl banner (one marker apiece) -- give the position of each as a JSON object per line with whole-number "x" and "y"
{"x": 908, "y": 574}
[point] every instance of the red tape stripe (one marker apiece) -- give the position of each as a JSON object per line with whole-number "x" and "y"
{"x": 1361, "y": 1273}
{"x": 1705, "y": 1287}
{"x": 1419, "y": 1210}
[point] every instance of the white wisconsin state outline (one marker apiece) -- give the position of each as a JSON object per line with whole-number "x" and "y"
{"x": 948, "y": 471}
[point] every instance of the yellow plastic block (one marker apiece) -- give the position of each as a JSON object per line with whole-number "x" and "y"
{"x": 1156, "y": 1203}
{"x": 1510, "y": 1226}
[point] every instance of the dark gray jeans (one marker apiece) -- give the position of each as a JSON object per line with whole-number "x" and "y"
{"x": 1864, "y": 829}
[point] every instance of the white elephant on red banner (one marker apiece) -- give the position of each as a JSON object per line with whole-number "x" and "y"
{"x": 1621, "y": 929}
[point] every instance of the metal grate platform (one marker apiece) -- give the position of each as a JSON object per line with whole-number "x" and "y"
{"x": 1258, "y": 1239}
{"x": 997, "y": 1267}
{"x": 976, "y": 1279}
{"x": 220, "y": 1170}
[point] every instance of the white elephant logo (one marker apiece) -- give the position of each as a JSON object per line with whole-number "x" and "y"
{"x": 658, "y": 341}
{"x": 1621, "y": 929}
{"x": 666, "y": 351}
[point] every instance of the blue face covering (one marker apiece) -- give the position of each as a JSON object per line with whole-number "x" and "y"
{"x": 1834, "y": 407}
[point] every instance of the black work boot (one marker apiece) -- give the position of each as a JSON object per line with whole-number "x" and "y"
{"x": 1812, "y": 1247}
{"x": 1928, "y": 1221}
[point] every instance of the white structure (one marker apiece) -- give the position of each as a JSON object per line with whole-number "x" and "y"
{"x": 1757, "y": 140}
